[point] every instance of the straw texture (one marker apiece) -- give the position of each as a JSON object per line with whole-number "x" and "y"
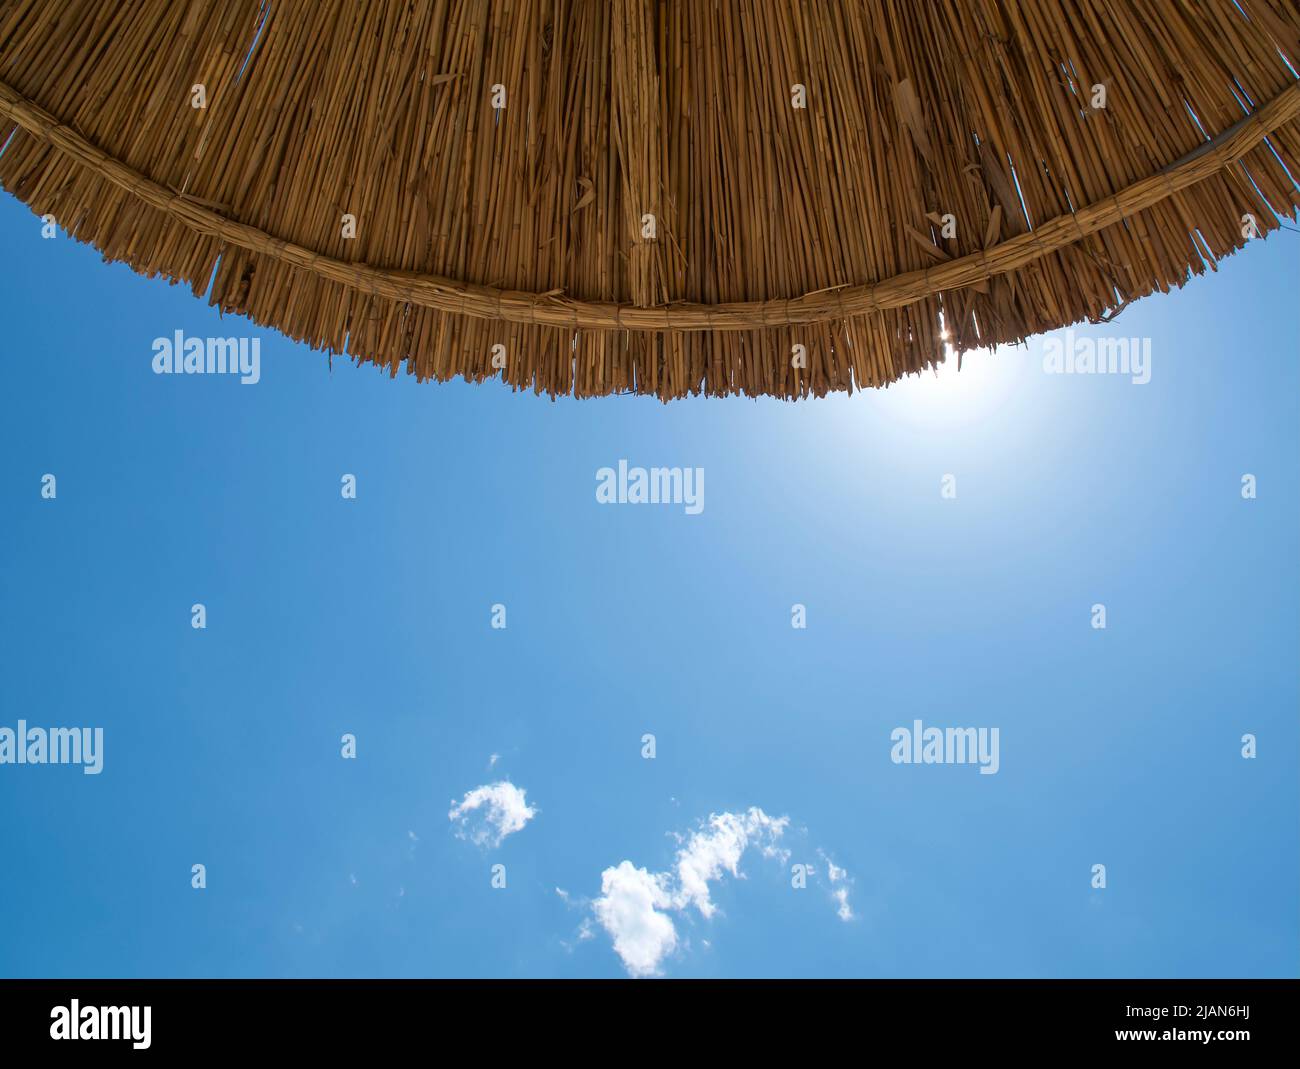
{"x": 625, "y": 195}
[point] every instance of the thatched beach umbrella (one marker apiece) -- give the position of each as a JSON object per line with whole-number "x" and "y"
{"x": 660, "y": 196}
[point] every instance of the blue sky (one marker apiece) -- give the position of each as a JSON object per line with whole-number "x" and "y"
{"x": 372, "y": 616}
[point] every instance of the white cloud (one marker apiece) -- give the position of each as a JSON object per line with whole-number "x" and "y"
{"x": 635, "y": 906}
{"x": 717, "y": 848}
{"x": 839, "y": 893}
{"x": 487, "y": 814}
{"x": 629, "y": 908}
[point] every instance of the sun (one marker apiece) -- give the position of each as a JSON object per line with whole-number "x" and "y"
{"x": 946, "y": 396}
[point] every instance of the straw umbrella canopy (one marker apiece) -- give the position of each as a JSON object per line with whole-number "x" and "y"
{"x": 657, "y": 196}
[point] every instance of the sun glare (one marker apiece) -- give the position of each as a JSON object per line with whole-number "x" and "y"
{"x": 948, "y": 396}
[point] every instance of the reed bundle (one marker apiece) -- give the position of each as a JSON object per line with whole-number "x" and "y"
{"x": 657, "y": 196}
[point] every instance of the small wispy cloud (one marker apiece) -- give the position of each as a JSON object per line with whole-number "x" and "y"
{"x": 585, "y": 930}
{"x": 840, "y": 881}
{"x": 487, "y": 814}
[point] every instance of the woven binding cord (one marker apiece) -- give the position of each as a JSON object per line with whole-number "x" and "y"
{"x": 488, "y": 302}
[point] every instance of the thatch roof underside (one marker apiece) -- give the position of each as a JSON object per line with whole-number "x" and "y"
{"x": 773, "y": 226}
